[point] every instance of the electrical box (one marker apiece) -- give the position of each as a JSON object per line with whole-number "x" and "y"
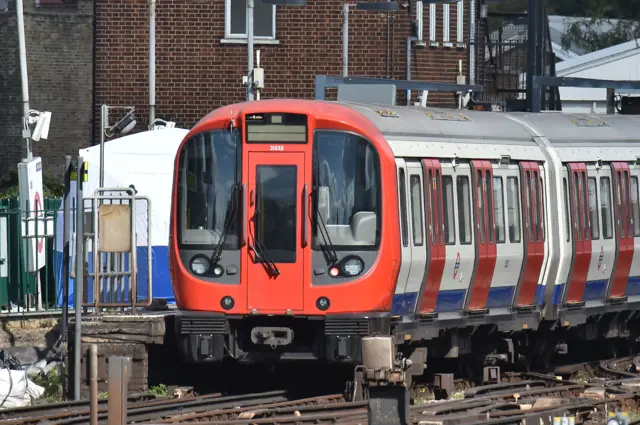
{"x": 33, "y": 214}
{"x": 258, "y": 78}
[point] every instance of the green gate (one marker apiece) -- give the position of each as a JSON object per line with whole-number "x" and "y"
{"x": 17, "y": 285}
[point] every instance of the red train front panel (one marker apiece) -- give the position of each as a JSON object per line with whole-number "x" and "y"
{"x": 278, "y": 210}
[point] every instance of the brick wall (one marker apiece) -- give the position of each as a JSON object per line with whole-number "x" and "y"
{"x": 59, "y": 62}
{"x": 196, "y": 72}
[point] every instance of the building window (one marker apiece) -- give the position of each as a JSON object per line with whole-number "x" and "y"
{"x": 264, "y": 19}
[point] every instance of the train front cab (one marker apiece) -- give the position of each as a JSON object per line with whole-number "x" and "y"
{"x": 279, "y": 234}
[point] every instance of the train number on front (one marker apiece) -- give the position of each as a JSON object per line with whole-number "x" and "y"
{"x": 276, "y": 147}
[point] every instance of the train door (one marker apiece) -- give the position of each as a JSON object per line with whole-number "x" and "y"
{"x": 509, "y": 246}
{"x": 403, "y": 300}
{"x": 565, "y": 268}
{"x": 577, "y": 280}
{"x": 633, "y": 285}
{"x": 624, "y": 230}
{"x": 435, "y": 240}
{"x": 532, "y": 202}
{"x": 459, "y": 252}
{"x": 419, "y": 191}
{"x": 278, "y": 202}
{"x": 482, "y": 181}
{"x": 603, "y": 246}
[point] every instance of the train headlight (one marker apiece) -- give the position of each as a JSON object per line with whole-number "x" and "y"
{"x": 352, "y": 266}
{"x": 218, "y": 270}
{"x": 227, "y": 302}
{"x": 200, "y": 265}
{"x": 323, "y": 303}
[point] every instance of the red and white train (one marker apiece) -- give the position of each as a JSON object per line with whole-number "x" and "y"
{"x": 299, "y": 227}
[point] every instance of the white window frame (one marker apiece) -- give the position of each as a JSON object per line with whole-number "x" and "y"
{"x": 227, "y": 26}
{"x": 432, "y": 24}
{"x": 446, "y": 24}
{"x": 460, "y": 24}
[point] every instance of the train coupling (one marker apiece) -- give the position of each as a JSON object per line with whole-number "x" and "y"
{"x": 272, "y": 336}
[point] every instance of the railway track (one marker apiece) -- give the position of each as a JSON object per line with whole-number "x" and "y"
{"x": 585, "y": 391}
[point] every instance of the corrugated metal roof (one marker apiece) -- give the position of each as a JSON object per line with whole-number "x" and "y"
{"x": 600, "y": 56}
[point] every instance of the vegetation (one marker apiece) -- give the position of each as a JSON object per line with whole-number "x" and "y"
{"x": 159, "y": 390}
{"x": 53, "y": 186}
{"x": 587, "y": 33}
{"x": 52, "y": 384}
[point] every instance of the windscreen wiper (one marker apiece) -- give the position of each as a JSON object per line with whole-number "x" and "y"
{"x": 327, "y": 247}
{"x": 231, "y": 217}
{"x": 260, "y": 251}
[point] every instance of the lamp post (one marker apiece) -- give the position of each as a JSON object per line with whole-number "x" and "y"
{"x": 250, "y": 3}
{"x": 388, "y": 7}
{"x": 122, "y": 127}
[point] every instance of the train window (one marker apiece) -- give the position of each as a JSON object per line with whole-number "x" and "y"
{"x": 403, "y": 208}
{"x": 439, "y": 203}
{"x": 585, "y": 206}
{"x": 208, "y": 176}
{"x": 593, "y": 209}
{"x": 449, "y": 220}
{"x": 528, "y": 205}
{"x": 578, "y": 210}
{"x": 489, "y": 192}
{"x": 605, "y": 207}
{"x": 513, "y": 209}
{"x": 416, "y": 210}
{"x": 566, "y": 209}
{"x": 541, "y": 208}
{"x": 535, "y": 206}
{"x": 432, "y": 209}
{"x": 480, "y": 200}
{"x": 635, "y": 206}
{"x": 629, "y": 207}
{"x": 464, "y": 209}
{"x": 347, "y": 191}
{"x": 498, "y": 199}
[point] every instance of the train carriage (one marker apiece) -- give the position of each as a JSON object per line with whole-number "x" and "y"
{"x": 299, "y": 227}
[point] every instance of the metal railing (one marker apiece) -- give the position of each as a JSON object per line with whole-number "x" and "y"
{"x": 28, "y": 257}
{"x": 111, "y": 242}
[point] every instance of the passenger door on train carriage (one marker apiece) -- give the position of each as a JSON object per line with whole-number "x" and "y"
{"x": 484, "y": 218}
{"x": 404, "y": 300}
{"x": 603, "y": 246}
{"x": 633, "y": 285}
{"x": 532, "y": 203}
{"x": 421, "y": 190}
{"x": 624, "y": 229}
{"x": 508, "y": 237}
{"x": 458, "y": 222}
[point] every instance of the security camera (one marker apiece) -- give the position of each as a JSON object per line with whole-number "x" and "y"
{"x": 160, "y": 123}
{"x": 126, "y": 124}
{"x": 42, "y": 127}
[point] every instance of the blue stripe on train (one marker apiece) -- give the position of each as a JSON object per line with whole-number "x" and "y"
{"x": 453, "y": 300}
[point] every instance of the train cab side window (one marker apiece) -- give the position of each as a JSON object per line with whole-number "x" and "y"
{"x": 605, "y": 207}
{"x": 566, "y": 209}
{"x": 208, "y": 182}
{"x": 403, "y": 208}
{"x": 490, "y": 207}
{"x": 464, "y": 209}
{"x": 635, "y": 207}
{"x": 416, "y": 210}
{"x": 498, "y": 199}
{"x": 481, "y": 206}
{"x": 593, "y": 209}
{"x": 585, "y": 206}
{"x": 347, "y": 192}
{"x": 449, "y": 221}
{"x": 513, "y": 209}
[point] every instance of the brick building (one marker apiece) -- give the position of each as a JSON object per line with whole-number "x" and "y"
{"x": 201, "y": 56}
{"x": 59, "y": 43}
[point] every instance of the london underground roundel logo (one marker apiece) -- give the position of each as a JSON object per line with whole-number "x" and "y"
{"x": 37, "y": 208}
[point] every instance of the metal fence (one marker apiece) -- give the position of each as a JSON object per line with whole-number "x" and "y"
{"x": 25, "y": 285}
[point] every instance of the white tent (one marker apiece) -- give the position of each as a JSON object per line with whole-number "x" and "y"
{"x": 145, "y": 160}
